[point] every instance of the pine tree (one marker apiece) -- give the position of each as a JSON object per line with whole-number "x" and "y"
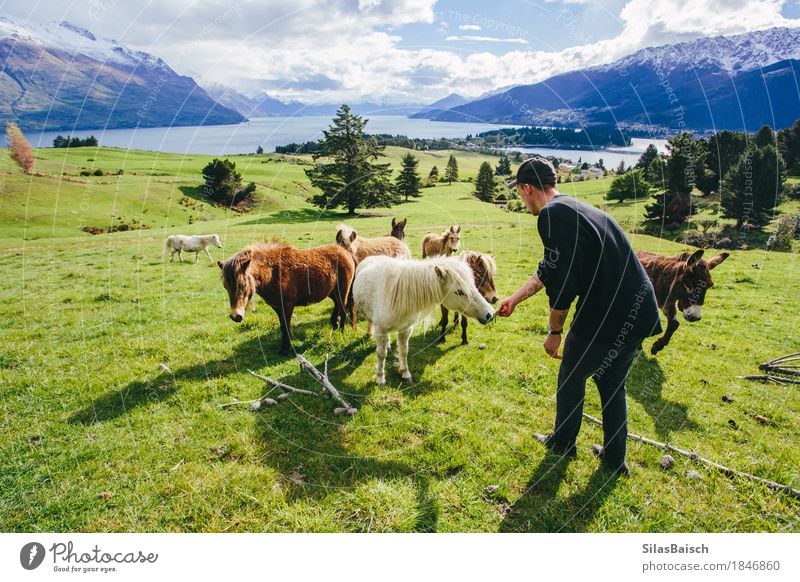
{"x": 752, "y": 188}
{"x": 724, "y": 150}
{"x": 408, "y": 181}
{"x": 485, "y": 184}
{"x": 434, "y": 172}
{"x": 674, "y": 203}
{"x": 764, "y": 137}
{"x": 789, "y": 145}
{"x": 259, "y": 150}
{"x": 349, "y": 176}
{"x": 645, "y": 163}
{"x": 621, "y": 168}
{"x": 451, "y": 172}
{"x": 503, "y": 166}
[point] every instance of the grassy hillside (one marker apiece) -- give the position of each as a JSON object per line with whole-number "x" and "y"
{"x": 96, "y": 437}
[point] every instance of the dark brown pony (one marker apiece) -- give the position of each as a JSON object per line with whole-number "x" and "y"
{"x": 483, "y": 269}
{"x": 286, "y": 277}
{"x": 398, "y": 229}
{"x": 680, "y": 283}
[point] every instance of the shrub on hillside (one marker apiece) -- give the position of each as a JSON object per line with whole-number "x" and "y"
{"x": 20, "y": 150}
{"x": 629, "y": 185}
{"x": 787, "y": 230}
{"x": 223, "y": 184}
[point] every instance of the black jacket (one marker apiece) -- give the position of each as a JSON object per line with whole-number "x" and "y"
{"x": 588, "y": 256}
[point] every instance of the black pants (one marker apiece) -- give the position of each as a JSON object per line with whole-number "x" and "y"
{"x": 608, "y": 366}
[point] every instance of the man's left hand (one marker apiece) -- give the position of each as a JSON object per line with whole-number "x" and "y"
{"x": 551, "y": 345}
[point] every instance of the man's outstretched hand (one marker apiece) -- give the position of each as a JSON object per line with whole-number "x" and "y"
{"x": 506, "y": 308}
{"x": 551, "y": 344}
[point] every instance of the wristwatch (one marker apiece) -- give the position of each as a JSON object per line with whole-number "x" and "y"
{"x": 552, "y": 331}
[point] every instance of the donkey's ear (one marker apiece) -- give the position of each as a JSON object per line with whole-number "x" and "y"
{"x": 717, "y": 260}
{"x": 695, "y": 258}
{"x": 353, "y": 236}
{"x": 219, "y": 264}
{"x": 440, "y": 272}
{"x": 458, "y": 228}
{"x": 394, "y": 223}
{"x": 402, "y": 223}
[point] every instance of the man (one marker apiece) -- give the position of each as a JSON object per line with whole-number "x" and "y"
{"x": 586, "y": 255}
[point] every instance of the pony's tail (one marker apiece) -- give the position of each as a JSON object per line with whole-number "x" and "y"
{"x": 167, "y": 246}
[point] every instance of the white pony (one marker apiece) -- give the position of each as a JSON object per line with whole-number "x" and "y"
{"x": 394, "y": 294}
{"x": 177, "y": 243}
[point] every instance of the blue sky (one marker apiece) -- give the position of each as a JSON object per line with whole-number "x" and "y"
{"x": 397, "y": 51}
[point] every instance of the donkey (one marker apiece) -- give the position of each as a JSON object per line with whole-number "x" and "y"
{"x": 285, "y": 278}
{"x": 177, "y": 243}
{"x": 483, "y": 269}
{"x": 395, "y": 294}
{"x": 680, "y": 282}
{"x": 445, "y": 244}
{"x": 361, "y": 247}
{"x": 398, "y": 229}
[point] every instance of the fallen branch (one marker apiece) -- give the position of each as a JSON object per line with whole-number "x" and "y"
{"x": 690, "y": 455}
{"x": 695, "y": 457}
{"x": 328, "y": 389}
{"x": 770, "y": 378}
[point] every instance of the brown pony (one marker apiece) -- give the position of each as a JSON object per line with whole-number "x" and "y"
{"x": 680, "y": 282}
{"x": 398, "y": 229}
{"x": 361, "y": 247}
{"x": 285, "y": 278}
{"x": 483, "y": 269}
{"x": 445, "y": 244}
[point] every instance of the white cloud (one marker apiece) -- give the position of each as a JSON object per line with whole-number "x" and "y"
{"x": 340, "y": 50}
{"x": 476, "y": 38}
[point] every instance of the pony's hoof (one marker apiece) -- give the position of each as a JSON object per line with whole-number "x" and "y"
{"x": 380, "y": 380}
{"x": 464, "y": 342}
{"x": 407, "y": 379}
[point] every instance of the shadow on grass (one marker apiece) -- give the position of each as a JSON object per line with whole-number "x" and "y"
{"x": 539, "y": 510}
{"x": 305, "y": 444}
{"x": 645, "y": 385}
{"x": 295, "y": 216}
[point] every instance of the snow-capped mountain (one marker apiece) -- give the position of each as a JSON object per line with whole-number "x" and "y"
{"x": 58, "y": 76}
{"x": 67, "y": 37}
{"x": 737, "y": 82}
{"x": 734, "y": 54}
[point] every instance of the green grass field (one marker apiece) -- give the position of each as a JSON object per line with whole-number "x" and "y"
{"x": 96, "y": 437}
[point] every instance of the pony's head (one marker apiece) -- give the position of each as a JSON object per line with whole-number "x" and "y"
{"x": 398, "y": 229}
{"x": 691, "y": 283}
{"x": 346, "y": 236}
{"x": 460, "y": 293}
{"x": 238, "y": 282}
{"x": 483, "y": 269}
{"x": 216, "y": 241}
{"x": 452, "y": 238}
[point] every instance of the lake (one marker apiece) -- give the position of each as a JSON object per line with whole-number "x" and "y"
{"x": 269, "y": 132}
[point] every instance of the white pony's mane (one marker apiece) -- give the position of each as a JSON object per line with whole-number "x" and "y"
{"x": 414, "y": 286}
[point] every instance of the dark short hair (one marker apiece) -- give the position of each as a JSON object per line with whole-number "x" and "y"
{"x": 537, "y": 171}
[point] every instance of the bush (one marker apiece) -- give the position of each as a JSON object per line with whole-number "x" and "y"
{"x": 21, "y": 151}
{"x": 786, "y": 230}
{"x": 713, "y": 240}
{"x": 223, "y": 184}
{"x": 629, "y": 185}
{"x": 792, "y": 190}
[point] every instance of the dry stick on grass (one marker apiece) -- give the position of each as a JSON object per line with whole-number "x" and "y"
{"x": 695, "y": 457}
{"x": 777, "y": 369}
{"x": 328, "y": 389}
{"x": 691, "y": 455}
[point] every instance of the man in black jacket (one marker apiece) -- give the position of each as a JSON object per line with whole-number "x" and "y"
{"x": 586, "y": 255}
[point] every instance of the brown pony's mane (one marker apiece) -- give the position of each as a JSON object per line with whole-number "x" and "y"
{"x": 232, "y": 267}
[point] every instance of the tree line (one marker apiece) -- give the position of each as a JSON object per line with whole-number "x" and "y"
{"x": 747, "y": 171}
{"x": 61, "y": 141}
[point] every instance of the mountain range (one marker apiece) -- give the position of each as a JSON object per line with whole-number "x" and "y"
{"x": 737, "y": 82}
{"x": 60, "y": 77}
